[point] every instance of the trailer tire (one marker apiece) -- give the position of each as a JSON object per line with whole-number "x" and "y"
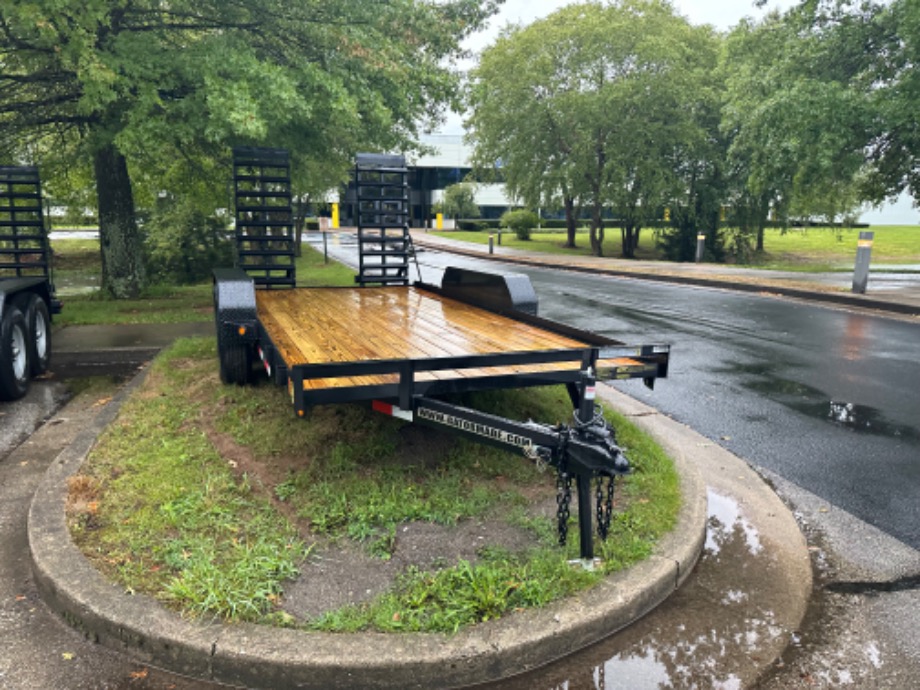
{"x": 235, "y": 363}
{"x": 14, "y": 354}
{"x": 38, "y": 325}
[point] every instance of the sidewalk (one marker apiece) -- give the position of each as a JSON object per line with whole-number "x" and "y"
{"x": 897, "y": 292}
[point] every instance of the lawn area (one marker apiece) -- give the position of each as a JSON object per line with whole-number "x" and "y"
{"x": 829, "y": 248}
{"x": 803, "y": 249}
{"x": 78, "y": 273}
{"x": 552, "y": 241}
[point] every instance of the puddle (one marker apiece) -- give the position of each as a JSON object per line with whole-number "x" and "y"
{"x": 815, "y": 403}
{"x": 727, "y": 524}
{"x": 717, "y": 631}
{"x": 857, "y": 418}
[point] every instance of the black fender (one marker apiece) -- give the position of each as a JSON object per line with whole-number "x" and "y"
{"x": 499, "y": 292}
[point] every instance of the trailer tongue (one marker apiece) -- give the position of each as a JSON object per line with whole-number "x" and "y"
{"x": 402, "y": 346}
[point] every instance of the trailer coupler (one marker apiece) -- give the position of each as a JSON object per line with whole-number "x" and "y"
{"x": 582, "y": 452}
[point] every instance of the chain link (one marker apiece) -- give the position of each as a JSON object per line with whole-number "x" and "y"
{"x": 563, "y": 499}
{"x": 604, "y": 505}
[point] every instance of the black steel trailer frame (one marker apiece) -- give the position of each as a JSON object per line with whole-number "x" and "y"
{"x": 583, "y": 451}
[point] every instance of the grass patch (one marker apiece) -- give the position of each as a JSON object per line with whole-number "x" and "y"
{"x": 552, "y": 241}
{"x": 830, "y": 249}
{"x": 78, "y": 275}
{"x": 161, "y": 511}
{"x": 795, "y": 249}
{"x": 210, "y": 497}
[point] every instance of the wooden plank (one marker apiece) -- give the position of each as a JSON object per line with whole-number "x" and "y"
{"x": 329, "y": 325}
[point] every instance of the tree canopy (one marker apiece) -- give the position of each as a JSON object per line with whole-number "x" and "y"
{"x": 625, "y": 108}
{"x": 148, "y": 95}
{"x": 589, "y": 107}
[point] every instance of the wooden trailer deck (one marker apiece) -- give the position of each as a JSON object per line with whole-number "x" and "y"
{"x": 322, "y": 326}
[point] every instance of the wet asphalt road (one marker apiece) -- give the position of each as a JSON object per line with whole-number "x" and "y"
{"x": 825, "y": 398}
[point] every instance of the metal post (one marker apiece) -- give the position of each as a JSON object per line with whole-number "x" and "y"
{"x": 499, "y": 238}
{"x": 863, "y": 254}
{"x": 700, "y": 247}
{"x": 325, "y": 249}
{"x": 491, "y": 238}
{"x": 586, "y": 389}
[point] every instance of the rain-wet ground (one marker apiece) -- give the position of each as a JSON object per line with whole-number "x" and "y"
{"x": 733, "y": 618}
{"x": 860, "y": 628}
{"x": 719, "y": 630}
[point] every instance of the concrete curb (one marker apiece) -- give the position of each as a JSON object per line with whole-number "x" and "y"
{"x": 260, "y": 657}
{"x": 841, "y": 299}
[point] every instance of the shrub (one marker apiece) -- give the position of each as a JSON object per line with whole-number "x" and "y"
{"x": 473, "y": 225}
{"x": 184, "y": 244}
{"x": 520, "y": 221}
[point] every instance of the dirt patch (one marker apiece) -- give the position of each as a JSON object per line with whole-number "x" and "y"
{"x": 343, "y": 573}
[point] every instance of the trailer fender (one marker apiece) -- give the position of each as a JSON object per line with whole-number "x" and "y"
{"x": 494, "y": 291}
{"x": 236, "y": 324}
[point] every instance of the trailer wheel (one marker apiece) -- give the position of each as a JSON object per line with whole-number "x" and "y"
{"x": 14, "y": 355}
{"x": 235, "y": 363}
{"x": 38, "y": 324}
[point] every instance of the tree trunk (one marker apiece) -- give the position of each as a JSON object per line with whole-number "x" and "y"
{"x": 120, "y": 242}
{"x": 629, "y": 240}
{"x": 597, "y": 231}
{"x": 570, "y": 222}
{"x": 300, "y": 220}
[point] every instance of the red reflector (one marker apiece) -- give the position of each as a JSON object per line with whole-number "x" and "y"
{"x": 383, "y": 407}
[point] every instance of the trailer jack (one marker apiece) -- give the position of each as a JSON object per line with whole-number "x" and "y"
{"x": 583, "y": 452}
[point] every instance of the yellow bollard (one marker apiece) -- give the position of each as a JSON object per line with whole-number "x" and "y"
{"x": 335, "y": 216}
{"x": 439, "y": 221}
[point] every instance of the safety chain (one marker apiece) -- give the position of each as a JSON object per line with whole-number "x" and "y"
{"x": 604, "y": 506}
{"x": 563, "y": 499}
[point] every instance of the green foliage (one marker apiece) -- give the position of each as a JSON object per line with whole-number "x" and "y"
{"x": 596, "y": 106}
{"x": 521, "y": 222}
{"x": 476, "y": 225}
{"x": 448, "y": 599}
{"x": 171, "y": 517}
{"x": 184, "y": 245}
{"x": 459, "y": 201}
{"x": 146, "y": 96}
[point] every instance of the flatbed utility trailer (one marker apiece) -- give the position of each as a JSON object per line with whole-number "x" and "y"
{"x": 27, "y": 297}
{"x": 403, "y": 347}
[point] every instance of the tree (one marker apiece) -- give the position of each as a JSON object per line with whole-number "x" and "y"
{"x": 459, "y": 201}
{"x": 150, "y": 91}
{"x": 799, "y": 111}
{"x": 586, "y": 108}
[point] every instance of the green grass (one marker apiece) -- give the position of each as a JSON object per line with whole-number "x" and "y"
{"x": 78, "y": 276}
{"x": 161, "y": 510}
{"x": 163, "y": 513}
{"x": 446, "y": 600}
{"x": 816, "y": 249}
{"x": 796, "y": 249}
